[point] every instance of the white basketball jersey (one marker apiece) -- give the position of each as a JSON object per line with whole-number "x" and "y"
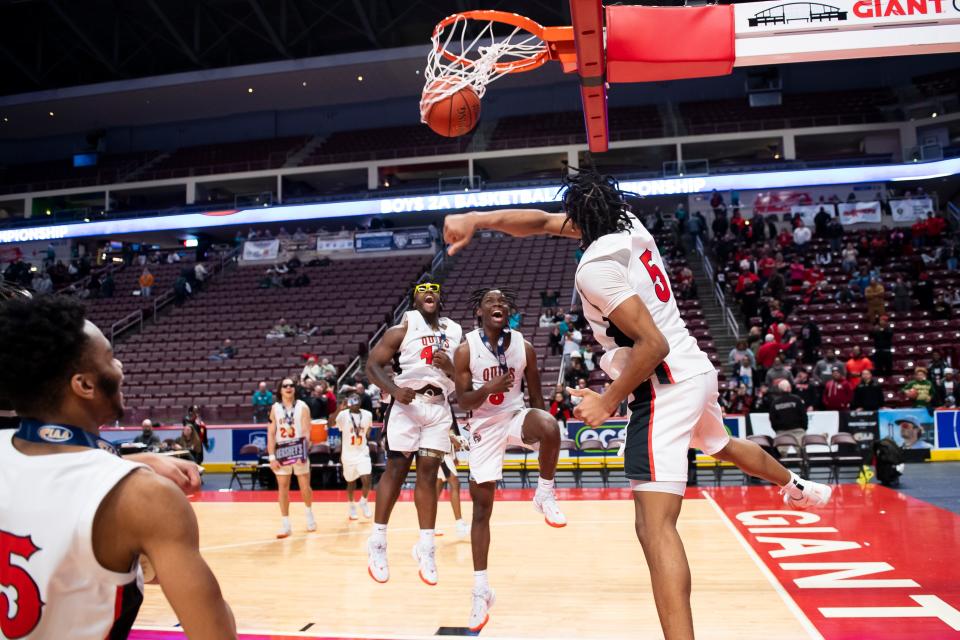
{"x": 485, "y": 366}
{"x": 290, "y": 422}
{"x": 635, "y": 254}
{"x": 416, "y": 352}
{"x": 353, "y": 429}
{"x": 47, "y": 508}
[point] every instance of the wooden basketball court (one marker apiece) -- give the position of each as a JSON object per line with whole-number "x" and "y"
{"x": 588, "y": 580}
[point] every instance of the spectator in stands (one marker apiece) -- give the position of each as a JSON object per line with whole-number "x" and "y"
{"x": 146, "y": 281}
{"x": 300, "y": 235}
{"x": 923, "y": 289}
{"x": 848, "y": 259}
{"x": 737, "y": 400}
{"x": 576, "y": 370}
{"x": 739, "y": 351}
{"x": 147, "y": 437}
{"x": 282, "y": 329}
{"x": 902, "y": 300}
{"x": 935, "y": 227}
{"x": 317, "y": 402}
{"x": 767, "y": 353}
{"x": 920, "y": 390}
{"x": 801, "y": 237}
{"x": 548, "y": 299}
{"x": 937, "y": 366}
{"x": 561, "y": 409}
{"x": 823, "y": 257}
{"x": 788, "y": 413}
{"x": 571, "y": 344}
{"x": 835, "y": 233}
{"x": 107, "y": 285}
{"x": 857, "y": 363}
{"x": 868, "y": 395}
{"x": 720, "y": 224}
{"x": 810, "y": 341}
{"x": 874, "y": 295}
{"x": 941, "y": 308}
{"x": 836, "y": 392}
{"x": 809, "y": 390}
{"x": 820, "y": 222}
{"x": 327, "y": 392}
{"x": 360, "y": 389}
{"x": 190, "y": 442}
{"x": 200, "y": 275}
{"x": 194, "y": 419}
{"x": 226, "y": 352}
{"x": 546, "y": 318}
{"x": 181, "y": 289}
{"x": 516, "y": 318}
{"x": 328, "y": 370}
{"x": 785, "y": 241}
{"x": 946, "y": 389}
{"x": 43, "y": 284}
{"x": 555, "y": 341}
{"x": 825, "y": 366}
{"x": 581, "y": 384}
{"x": 262, "y": 401}
{"x": 761, "y": 399}
{"x": 311, "y": 371}
{"x": 746, "y": 290}
{"x": 848, "y": 295}
{"x": 778, "y": 371}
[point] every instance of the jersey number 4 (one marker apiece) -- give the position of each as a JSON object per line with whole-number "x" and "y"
{"x": 16, "y": 585}
{"x": 426, "y": 354}
{"x": 656, "y": 274}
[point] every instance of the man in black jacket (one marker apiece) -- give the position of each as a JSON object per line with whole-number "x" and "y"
{"x": 788, "y": 413}
{"x": 883, "y": 344}
{"x": 868, "y": 395}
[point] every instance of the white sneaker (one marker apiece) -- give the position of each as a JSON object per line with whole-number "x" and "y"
{"x": 365, "y": 509}
{"x": 426, "y": 558}
{"x": 285, "y": 531}
{"x": 311, "y": 522}
{"x": 463, "y": 529}
{"x": 353, "y": 511}
{"x": 814, "y": 494}
{"x": 377, "y": 565}
{"x": 546, "y": 503}
{"x": 480, "y": 611}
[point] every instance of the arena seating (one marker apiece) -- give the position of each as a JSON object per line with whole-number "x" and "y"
{"x": 249, "y": 155}
{"x": 566, "y": 127}
{"x": 387, "y": 142}
{"x": 168, "y": 363}
{"x": 61, "y": 174}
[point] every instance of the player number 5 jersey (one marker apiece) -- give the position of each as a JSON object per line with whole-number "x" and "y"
{"x": 417, "y": 349}
{"x": 617, "y": 266}
{"x": 485, "y": 366}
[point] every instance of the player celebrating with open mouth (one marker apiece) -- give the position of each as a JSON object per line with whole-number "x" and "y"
{"x": 489, "y": 369}
{"x": 654, "y": 361}
{"x": 417, "y": 423}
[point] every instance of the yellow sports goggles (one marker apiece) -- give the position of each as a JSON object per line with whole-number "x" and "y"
{"x": 427, "y": 286}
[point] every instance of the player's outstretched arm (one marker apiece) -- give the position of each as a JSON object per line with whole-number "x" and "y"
{"x": 148, "y": 515}
{"x": 532, "y": 374}
{"x": 183, "y": 473}
{"x": 458, "y": 228}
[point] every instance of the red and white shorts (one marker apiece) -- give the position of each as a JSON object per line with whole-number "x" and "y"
{"x": 489, "y": 438}
{"x": 668, "y": 419}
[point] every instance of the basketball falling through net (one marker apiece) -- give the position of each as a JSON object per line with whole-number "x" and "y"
{"x": 469, "y": 51}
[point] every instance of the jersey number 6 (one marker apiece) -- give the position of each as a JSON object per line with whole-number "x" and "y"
{"x": 656, "y": 274}
{"x": 496, "y": 398}
{"x": 16, "y": 578}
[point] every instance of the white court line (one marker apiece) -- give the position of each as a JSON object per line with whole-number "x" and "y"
{"x": 339, "y": 634}
{"x": 765, "y": 570}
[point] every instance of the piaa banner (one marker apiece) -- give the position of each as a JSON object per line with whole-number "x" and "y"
{"x": 856, "y": 212}
{"x": 254, "y": 250}
{"x": 911, "y": 210}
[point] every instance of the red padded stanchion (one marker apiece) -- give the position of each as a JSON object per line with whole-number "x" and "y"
{"x": 649, "y": 44}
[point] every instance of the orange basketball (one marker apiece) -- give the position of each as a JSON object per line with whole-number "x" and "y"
{"x": 454, "y": 115}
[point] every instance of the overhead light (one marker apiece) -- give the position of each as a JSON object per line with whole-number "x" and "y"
{"x": 249, "y": 89}
{"x": 417, "y": 71}
{"x": 933, "y": 115}
{"x": 304, "y": 83}
{"x": 86, "y": 219}
{"x": 359, "y": 78}
{"x": 776, "y": 156}
{"x": 50, "y": 113}
{"x": 48, "y": 211}
{"x": 6, "y": 119}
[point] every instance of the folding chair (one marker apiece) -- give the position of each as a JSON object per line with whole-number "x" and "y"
{"x": 613, "y": 444}
{"x": 791, "y": 460}
{"x": 846, "y": 454}
{"x": 587, "y": 445}
{"x": 816, "y": 450}
{"x": 765, "y": 443}
{"x": 570, "y": 446}
{"x": 246, "y": 467}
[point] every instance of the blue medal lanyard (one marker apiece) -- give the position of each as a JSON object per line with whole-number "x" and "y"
{"x": 500, "y": 353}
{"x": 45, "y": 433}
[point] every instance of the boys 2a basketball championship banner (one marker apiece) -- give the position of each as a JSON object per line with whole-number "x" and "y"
{"x": 261, "y": 250}
{"x": 856, "y": 212}
{"x": 911, "y": 210}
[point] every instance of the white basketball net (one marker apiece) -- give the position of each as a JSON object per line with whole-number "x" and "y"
{"x": 476, "y": 65}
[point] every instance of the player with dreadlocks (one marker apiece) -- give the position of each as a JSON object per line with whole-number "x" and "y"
{"x": 489, "y": 368}
{"x": 654, "y": 361}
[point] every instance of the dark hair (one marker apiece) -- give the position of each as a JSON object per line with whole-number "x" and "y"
{"x": 42, "y": 343}
{"x": 476, "y": 297}
{"x": 595, "y": 204}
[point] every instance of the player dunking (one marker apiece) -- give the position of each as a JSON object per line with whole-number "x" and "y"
{"x": 355, "y": 424}
{"x": 489, "y": 369}
{"x": 76, "y": 518}
{"x": 289, "y": 429}
{"x": 653, "y": 360}
{"x": 417, "y": 423}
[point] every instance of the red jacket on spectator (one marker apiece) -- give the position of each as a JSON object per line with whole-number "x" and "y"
{"x": 813, "y": 275}
{"x": 768, "y": 351}
{"x": 743, "y": 278}
{"x": 936, "y": 226}
{"x": 837, "y": 395}
{"x": 767, "y": 265}
{"x": 919, "y": 228}
{"x": 785, "y": 239}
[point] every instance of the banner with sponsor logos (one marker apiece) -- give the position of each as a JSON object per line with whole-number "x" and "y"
{"x": 911, "y": 210}
{"x": 261, "y": 250}
{"x": 947, "y": 428}
{"x": 417, "y": 238}
{"x": 334, "y": 243}
{"x": 909, "y": 428}
{"x": 864, "y": 428}
{"x": 856, "y": 212}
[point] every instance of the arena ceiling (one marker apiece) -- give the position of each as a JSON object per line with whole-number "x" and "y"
{"x": 51, "y": 44}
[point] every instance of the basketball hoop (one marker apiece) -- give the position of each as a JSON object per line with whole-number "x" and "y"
{"x": 474, "y": 48}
